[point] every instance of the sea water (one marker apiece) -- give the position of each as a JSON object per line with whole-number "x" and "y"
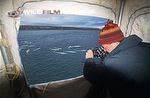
{"x": 51, "y": 55}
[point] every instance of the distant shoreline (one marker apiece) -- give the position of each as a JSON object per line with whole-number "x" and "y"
{"x": 30, "y": 27}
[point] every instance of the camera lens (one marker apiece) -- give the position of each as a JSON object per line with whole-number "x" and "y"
{"x": 99, "y": 52}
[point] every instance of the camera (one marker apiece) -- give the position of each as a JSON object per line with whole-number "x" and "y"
{"x": 99, "y": 52}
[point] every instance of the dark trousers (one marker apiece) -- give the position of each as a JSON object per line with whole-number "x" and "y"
{"x": 97, "y": 92}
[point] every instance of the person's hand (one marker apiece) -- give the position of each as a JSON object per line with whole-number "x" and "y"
{"x": 89, "y": 54}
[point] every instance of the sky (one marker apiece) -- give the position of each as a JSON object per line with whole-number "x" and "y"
{"x": 63, "y": 20}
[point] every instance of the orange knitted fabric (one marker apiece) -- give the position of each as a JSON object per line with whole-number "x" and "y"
{"x": 110, "y": 33}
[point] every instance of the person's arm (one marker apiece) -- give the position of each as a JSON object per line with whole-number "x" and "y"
{"x": 94, "y": 73}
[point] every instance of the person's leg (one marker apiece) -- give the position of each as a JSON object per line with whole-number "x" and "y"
{"x": 96, "y": 92}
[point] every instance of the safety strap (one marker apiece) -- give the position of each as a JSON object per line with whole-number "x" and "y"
{"x": 12, "y": 71}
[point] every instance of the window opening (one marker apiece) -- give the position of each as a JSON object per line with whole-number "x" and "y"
{"x": 52, "y": 46}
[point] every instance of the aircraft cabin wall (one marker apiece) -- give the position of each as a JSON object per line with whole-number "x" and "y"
{"x": 133, "y": 17}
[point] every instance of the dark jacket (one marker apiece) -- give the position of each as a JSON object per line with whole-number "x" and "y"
{"x": 125, "y": 72}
